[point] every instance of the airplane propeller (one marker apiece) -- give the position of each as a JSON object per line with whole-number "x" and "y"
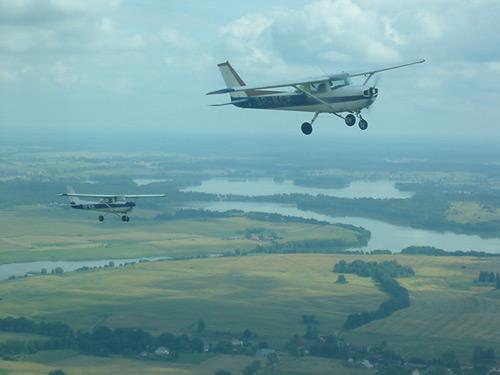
{"x": 376, "y": 80}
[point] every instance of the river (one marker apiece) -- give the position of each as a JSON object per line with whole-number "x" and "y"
{"x": 21, "y": 269}
{"x": 383, "y": 235}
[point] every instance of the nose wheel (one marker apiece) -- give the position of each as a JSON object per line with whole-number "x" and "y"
{"x": 363, "y": 124}
{"x": 350, "y": 120}
{"x": 100, "y": 218}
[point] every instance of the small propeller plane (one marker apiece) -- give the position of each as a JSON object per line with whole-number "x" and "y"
{"x": 335, "y": 94}
{"x": 120, "y": 205}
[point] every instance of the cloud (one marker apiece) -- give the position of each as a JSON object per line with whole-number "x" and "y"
{"x": 176, "y": 39}
{"x": 320, "y": 32}
{"x": 50, "y": 11}
{"x": 7, "y": 76}
{"x": 63, "y": 74}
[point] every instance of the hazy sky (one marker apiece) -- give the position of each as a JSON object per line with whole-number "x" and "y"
{"x": 109, "y": 66}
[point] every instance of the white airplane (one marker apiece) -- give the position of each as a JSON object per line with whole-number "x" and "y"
{"x": 335, "y": 94}
{"x": 119, "y": 205}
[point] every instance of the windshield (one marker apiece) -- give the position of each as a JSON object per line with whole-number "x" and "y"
{"x": 336, "y": 83}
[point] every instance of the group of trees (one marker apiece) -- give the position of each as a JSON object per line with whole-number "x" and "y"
{"x": 434, "y": 251}
{"x": 101, "y": 341}
{"x": 490, "y": 278}
{"x": 383, "y": 273}
{"x": 309, "y": 319}
{"x": 193, "y": 213}
{"x": 483, "y": 359}
{"x": 389, "y": 268}
{"x": 386, "y": 360}
{"x": 23, "y": 325}
{"x": 310, "y": 246}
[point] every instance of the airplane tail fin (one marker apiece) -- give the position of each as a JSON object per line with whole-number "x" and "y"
{"x": 72, "y": 200}
{"x": 232, "y": 79}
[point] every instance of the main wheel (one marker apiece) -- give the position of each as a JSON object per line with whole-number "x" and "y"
{"x": 101, "y": 218}
{"x": 128, "y": 219}
{"x": 306, "y": 128}
{"x": 124, "y": 218}
{"x": 363, "y": 124}
{"x": 350, "y": 119}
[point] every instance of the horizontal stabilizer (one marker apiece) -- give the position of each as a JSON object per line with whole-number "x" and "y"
{"x": 229, "y": 103}
{"x": 227, "y": 90}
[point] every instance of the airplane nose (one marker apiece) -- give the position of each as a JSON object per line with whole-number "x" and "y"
{"x": 371, "y": 92}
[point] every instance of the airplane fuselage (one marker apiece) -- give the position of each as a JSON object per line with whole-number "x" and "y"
{"x": 120, "y": 207}
{"x": 350, "y": 98}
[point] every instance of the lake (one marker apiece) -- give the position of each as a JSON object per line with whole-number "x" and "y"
{"x": 383, "y": 235}
{"x": 380, "y": 189}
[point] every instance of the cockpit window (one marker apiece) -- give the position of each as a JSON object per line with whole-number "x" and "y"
{"x": 336, "y": 83}
{"x": 318, "y": 87}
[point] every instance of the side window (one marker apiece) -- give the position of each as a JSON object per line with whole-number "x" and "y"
{"x": 337, "y": 83}
{"x": 318, "y": 87}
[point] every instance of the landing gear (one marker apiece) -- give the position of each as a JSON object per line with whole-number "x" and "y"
{"x": 350, "y": 119}
{"x": 100, "y": 218}
{"x": 125, "y": 218}
{"x": 363, "y": 124}
{"x": 307, "y": 127}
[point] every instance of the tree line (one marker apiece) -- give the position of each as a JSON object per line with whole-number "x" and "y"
{"x": 434, "y": 251}
{"x": 383, "y": 273}
{"x": 101, "y": 341}
{"x": 193, "y": 213}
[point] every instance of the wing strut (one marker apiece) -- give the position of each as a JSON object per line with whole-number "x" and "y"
{"x": 315, "y": 97}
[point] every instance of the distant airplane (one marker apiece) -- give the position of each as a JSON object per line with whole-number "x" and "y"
{"x": 333, "y": 94}
{"x": 119, "y": 205}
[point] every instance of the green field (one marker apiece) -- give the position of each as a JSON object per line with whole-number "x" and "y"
{"x": 81, "y": 237}
{"x": 75, "y": 364}
{"x": 268, "y": 294}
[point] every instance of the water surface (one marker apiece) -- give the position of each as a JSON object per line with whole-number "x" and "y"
{"x": 383, "y": 235}
{"x": 21, "y": 269}
{"x": 380, "y": 189}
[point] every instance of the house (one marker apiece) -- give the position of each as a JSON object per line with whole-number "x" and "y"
{"x": 236, "y": 342}
{"x": 366, "y": 363}
{"x": 162, "y": 352}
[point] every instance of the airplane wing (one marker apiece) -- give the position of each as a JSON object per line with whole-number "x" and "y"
{"x": 372, "y": 72}
{"x": 230, "y": 90}
{"x": 143, "y": 196}
{"x": 320, "y": 79}
{"x": 97, "y": 196}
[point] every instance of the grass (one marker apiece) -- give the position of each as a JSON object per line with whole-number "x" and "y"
{"x": 81, "y": 237}
{"x": 472, "y": 212}
{"x": 13, "y": 336}
{"x": 448, "y": 312}
{"x": 80, "y": 365}
{"x": 268, "y": 294}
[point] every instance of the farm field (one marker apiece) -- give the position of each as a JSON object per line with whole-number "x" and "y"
{"x": 268, "y": 294}
{"x": 81, "y": 237}
{"x": 75, "y": 364}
